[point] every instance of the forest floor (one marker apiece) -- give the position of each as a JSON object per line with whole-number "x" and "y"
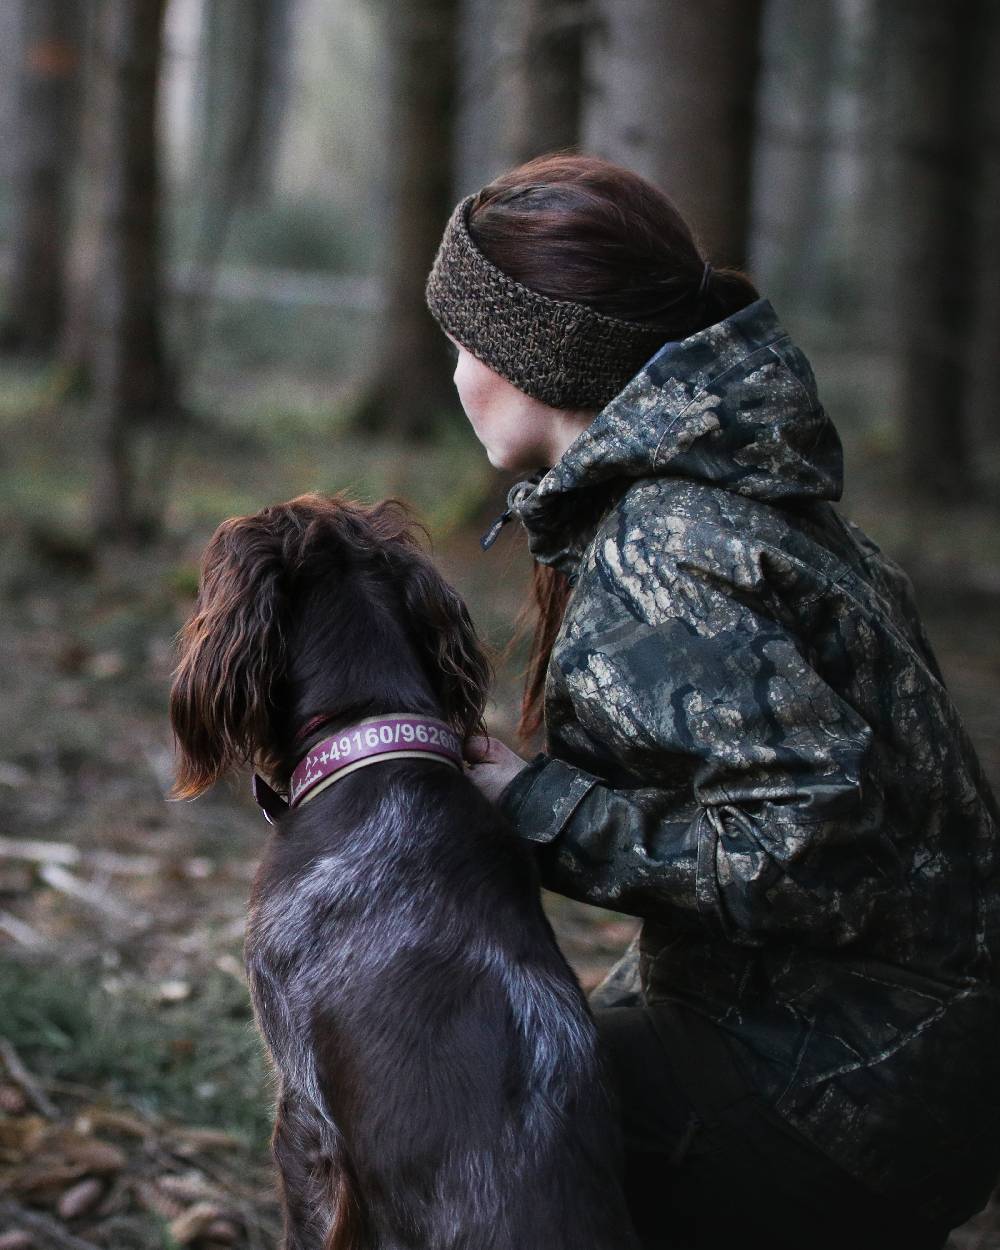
{"x": 135, "y": 1102}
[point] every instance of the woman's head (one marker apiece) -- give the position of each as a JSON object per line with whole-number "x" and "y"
{"x": 566, "y": 274}
{"x": 557, "y": 282}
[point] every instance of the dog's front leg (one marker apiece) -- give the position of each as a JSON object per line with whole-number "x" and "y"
{"x": 304, "y": 1173}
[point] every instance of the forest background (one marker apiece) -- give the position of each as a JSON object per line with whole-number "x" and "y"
{"x": 216, "y": 217}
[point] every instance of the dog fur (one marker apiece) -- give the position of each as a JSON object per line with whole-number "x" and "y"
{"x": 439, "y": 1079}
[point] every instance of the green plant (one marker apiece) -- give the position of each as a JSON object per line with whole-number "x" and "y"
{"x": 198, "y": 1061}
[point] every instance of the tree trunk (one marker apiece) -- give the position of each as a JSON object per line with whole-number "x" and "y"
{"x": 985, "y": 383}
{"x": 246, "y": 47}
{"x": 76, "y": 344}
{"x": 479, "y": 90}
{"x": 45, "y": 134}
{"x": 413, "y": 389}
{"x": 793, "y": 142}
{"x": 133, "y": 391}
{"x": 936, "y": 71}
{"x": 10, "y": 68}
{"x": 672, "y": 96}
{"x": 541, "y": 49}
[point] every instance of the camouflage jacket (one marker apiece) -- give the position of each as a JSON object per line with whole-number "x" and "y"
{"x": 750, "y": 746}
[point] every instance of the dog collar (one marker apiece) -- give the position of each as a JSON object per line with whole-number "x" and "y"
{"x": 396, "y": 736}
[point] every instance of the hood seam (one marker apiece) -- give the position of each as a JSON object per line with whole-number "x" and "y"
{"x": 710, "y": 382}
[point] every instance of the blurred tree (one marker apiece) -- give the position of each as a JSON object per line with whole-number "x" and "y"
{"x": 672, "y": 95}
{"x": 799, "y": 48}
{"x": 133, "y": 383}
{"x": 480, "y": 105}
{"x": 83, "y": 244}
{"x": 939, "y": 85}
{"x": 45, "y": 133}
{"x": 541, "y": 57}
{"x": 817, "y": 174}
{"x": 243, "y": 88}
{"x": 244, "y": 85}
{"x": 985, "y": 385}
{"x": 412, "y": 389}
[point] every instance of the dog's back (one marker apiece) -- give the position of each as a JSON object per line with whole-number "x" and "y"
{"x": 431, "y": 1040}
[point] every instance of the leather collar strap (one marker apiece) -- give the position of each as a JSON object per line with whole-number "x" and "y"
{"x": 397, "y": 736}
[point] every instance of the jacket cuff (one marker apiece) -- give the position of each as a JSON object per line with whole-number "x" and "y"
{"x": 542, "y": 797}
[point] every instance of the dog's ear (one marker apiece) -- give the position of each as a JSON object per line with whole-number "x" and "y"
{"x": 454, "y": 658}
{"x": 223, "y": 698}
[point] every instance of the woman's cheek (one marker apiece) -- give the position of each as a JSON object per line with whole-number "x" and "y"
{"x": 468, "y": 391}
{"x": 479, "y": 402}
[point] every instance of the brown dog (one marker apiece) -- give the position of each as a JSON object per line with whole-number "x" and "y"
{"x": 439, "y": 1079}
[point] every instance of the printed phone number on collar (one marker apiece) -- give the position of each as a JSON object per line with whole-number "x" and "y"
{"x": 399, "y": 734}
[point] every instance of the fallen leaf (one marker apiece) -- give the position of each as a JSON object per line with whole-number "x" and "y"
{"x": 19, "y": 1138}
{"x": 151, "y": 1199}
{"x": 190, "y": 1187}
{"x": 93, "y": 1118}
{"x": 16, "y": 1239}
{"x": 56, "y": 1158}
{"x": 181, "y": 1048}
{"x": 85, "y": 1150}
{"x": 13, "y": 775}
{"x": 173, "y": 991}
{"x": 195, "y": 1221}
{"x": 104, "y": 664}
{"x": 80, "y": 1198}
{"x": 221, "y": 1233}
{"x": 232, "y": 967}
{"x": 190, "y": 1140}
{"x": 198, "y": 867}
{"x": 12, "y": 1100}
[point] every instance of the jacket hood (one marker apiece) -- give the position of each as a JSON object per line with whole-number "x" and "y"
{"x": 734, "y": 405}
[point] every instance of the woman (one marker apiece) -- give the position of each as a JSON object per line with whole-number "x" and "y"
{"x": 748, "y": 741}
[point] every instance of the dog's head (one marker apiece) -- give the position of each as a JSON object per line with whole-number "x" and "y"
{"x": 319, "y": 606}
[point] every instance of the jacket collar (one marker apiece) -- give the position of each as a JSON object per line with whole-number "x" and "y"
{"x": 734, "y": 405}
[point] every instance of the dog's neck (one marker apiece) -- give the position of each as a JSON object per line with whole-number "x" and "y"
{"x": 347, "y": 666}
{"x": 333, "y": 756}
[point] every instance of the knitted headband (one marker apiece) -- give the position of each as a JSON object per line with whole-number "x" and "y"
{"x": 558, "y": 351}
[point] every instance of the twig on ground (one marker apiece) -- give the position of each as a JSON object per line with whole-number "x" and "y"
{"x": 12, "y": 1214}
{"x": 17, "y": 1071}
{"x": 65, "y": 882}
{"x": 22, "y": 932}
{"x": 102, "y": 1106}
{"x": 38, "y": 852}
{"x": 122, "y": 865}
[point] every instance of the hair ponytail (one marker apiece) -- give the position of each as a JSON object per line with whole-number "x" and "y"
{"x": 550, "y": 591}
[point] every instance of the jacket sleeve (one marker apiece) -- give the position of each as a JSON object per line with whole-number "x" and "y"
{"x": 753, "y": 810}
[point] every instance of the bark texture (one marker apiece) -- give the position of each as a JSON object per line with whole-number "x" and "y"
{"x": 133, "y": 392}
{"x": 246, "y": 47}
{"x": 43, "y": 164}
{"x": 541, "y": 49}
{"x": 984, "y": 424}
{"x": 672, "y": 95}
{"x": 937, "y": 67}
{"x": 413, "y": 387}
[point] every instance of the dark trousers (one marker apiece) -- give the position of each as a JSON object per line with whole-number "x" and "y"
{"x": 705, "y": 1171}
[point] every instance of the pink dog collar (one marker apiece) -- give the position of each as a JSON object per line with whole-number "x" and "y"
{"x": 397, "y": 736}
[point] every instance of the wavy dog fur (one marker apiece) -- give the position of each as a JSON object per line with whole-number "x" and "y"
{"x": 440, "y": 1085}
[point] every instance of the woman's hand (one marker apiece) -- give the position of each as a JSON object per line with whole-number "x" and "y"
{"x": 491, "y": 765}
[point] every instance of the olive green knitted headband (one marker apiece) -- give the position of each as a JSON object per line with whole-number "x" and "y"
{"x": 558, "y": 351}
